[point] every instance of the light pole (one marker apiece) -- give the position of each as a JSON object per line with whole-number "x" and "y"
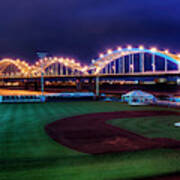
{"x": 42, "y": 55}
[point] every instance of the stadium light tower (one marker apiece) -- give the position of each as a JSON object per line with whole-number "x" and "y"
{"x": 42, "y": 55}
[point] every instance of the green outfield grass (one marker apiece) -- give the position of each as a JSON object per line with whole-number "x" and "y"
{"x": 151, "y": 127}
{"x": 27, "y": 153}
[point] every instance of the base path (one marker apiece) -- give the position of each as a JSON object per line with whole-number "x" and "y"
{"x": 91, "y": 134}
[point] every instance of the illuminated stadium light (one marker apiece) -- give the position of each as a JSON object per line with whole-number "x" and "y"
{"x": 129, "y": 47}
{"x": 154, "y": 49}
{"x": 141, "y": 47}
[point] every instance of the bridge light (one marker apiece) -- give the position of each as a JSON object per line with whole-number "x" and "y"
{"x": 141, "y": 47}
{"x": 153, "y": 49}
{"x": 119, "y": 48}
{"x": 109, "y": 51}
{"x": 84, "y": 68}
{"x": 72, "y": 61}
{"x": 41, "y": 60}
{"x": 166, "y": 51}
{"x": 93, "y": 61}
{"x": 129, "y": 47}
{"x": 178, "y": 55}
{"x": 101, "y": 55}
{"x": 131, "y": 66}
{"x": 55, "y": 58}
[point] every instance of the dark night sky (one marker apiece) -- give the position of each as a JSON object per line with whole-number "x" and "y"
{"x": 84, "y": 28}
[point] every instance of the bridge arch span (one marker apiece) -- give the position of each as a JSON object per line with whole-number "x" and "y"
{"x": 101, "y": 65}
{"x": 21, "y": 66}
{"x": 58, "y": 66}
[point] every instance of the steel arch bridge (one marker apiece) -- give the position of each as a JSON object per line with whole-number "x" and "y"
{"x": 136, "y": 61}
{"x": 48, "y": 66}
{"x": 58, "y": 67}
{"x": 123, "y": 61}
{"x": 11, "y": 68}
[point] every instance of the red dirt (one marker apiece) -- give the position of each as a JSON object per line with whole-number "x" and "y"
{"x": 90, "y": 134}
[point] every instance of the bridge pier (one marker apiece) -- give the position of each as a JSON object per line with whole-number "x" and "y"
{"x": 33, "y": 85}
{"x": 78, "y": 84}
{"x": 91, "y": 84}
{"x": 97, "y": 85}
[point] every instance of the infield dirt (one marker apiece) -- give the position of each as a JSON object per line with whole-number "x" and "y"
{"x": 91, "y": 134}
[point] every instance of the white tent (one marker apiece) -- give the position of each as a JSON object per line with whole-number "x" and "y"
{"x": 138, "y": 97}
{"x": 177, "y": 124}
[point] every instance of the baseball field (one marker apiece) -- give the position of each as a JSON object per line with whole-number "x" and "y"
{"x": 88, "y": 141}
